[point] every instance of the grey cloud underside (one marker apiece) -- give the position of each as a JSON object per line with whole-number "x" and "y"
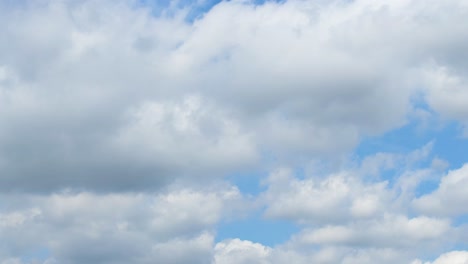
{"x": 289, "y": 79}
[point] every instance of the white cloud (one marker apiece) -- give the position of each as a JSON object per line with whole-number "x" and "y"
{"x": 447, "y": 92}
{"x": 365, "y": 189}
{"x": 357, "y": 215}
{"x": 332, "y": 199}
{"x": 454, "y": 257}
{"x": 174, "y": 227}
{"x": 241, "y": 251}
{"x": 196, "y": 250}
{"x": 237, "y": 251}
{"x": 294, "y": 79}
{"x": 105, "y": 106}
{"x": 185, "y": 137}
{"x": 391, "y": 231}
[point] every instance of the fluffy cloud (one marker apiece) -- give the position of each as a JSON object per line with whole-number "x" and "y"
{"x": 174, "y": 227}
{"x": 117, "y": 118}
{"x": 357, "y": 215}
{"x": 183, "y": 136}
{"x": 333, "y": 199}
{"x": 447, "y": 91}
{"x": 289, "y": 79}
{"x": 237, "y": 251}
{"x": 340, "y": 237}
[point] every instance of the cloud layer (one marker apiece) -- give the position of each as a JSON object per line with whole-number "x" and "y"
{"x": 126, "y": 126}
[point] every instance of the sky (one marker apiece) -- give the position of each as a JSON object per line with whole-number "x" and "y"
{"x": 233, "y": 132}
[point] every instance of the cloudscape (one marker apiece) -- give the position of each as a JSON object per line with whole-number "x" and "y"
{"x": 233, "y": 132}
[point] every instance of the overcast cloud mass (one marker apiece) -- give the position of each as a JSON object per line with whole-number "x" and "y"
{"x": 242, "y": 131}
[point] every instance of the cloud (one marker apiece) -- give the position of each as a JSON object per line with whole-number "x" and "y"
{"x": 392, "y": 231}
{"x": 116, "y": 228}
{"x": 358, "y": 214}
{"x": 330, "y": 200}
{"x": 450, "y": 196}
{"x": 453, "y": 257}
{"x": 446, "y": 92}
{"x": 190, "y": 137}
{"x": 120, "y": 120}
{"x": 293, "y": 79}
{"x": 347, "y": 220}
{"x": 240, "y": 251}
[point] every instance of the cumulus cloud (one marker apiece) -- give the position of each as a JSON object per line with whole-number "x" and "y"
{"x": 348, "y": 218}
{"x": 330, "y": 200}
{"x": 447, "y": 91}
{"x": 72, "y": 71}
{"x": 119, "y": 121}
{"x": 238, "y": 251}
{"x": 359, "y": 191}
{"x": 357, "y": 215}
{"x": 174, "y": 227}
{"x": 183, "y": 136}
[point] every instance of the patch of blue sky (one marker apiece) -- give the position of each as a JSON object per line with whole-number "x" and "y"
{"x": 400, "y": 141}
{"x": 448, "y": 143}
{"x": 256, "y": 228}
{"x": 459, "y": 246}
{"x": 248, "y": 183}
{"x": 36, "y": 255}
{"x": 452, "y": 146}
{"x": 426, "y": 187}
{"x": 252, "y": 182}
{"x": 195, "y": 9}
{"x": 261, "y": 2}
{"x": 413, "y": 135}
{"x": 460, "y": 220}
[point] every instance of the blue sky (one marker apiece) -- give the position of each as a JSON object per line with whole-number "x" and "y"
{"x": 270, "y": 132}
